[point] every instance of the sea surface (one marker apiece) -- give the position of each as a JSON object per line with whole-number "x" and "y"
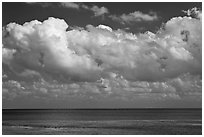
{"x": 102, "y": 121}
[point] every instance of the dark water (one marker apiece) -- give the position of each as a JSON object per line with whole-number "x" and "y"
{"x": 102, "y": 114}
{"x": 102, "y": 121}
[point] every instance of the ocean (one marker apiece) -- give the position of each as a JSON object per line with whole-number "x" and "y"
{"x": 102, "y": 121}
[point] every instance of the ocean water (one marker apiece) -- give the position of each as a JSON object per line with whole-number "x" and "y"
{"x": 102, "y": 121}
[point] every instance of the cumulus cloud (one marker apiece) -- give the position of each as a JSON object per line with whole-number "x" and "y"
{"x": 48, "y": 47}
{"x": 136, "y": 16}
{"x": 44, "y": 47}
{"x": 194, "y": 12}
{"x": 101, "y": 61}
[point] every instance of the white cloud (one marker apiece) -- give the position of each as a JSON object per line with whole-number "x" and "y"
{"x": 194, "y": 12}
{"x": 136, "y": 16}
{"x": 48, "y": 47}
{"x": 100, "y": 61}
{"x": 7, "y": 55}
{"x": 44, "y": 48}
{"x": 105, "y": 27}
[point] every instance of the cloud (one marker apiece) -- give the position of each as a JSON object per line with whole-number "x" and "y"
{"x": 102, "y": 62}
{"x": 48, "y": 47}
{"x": 136, "y": 16}
{"x": 70, "y": 5}
{"x": 99, "y": 11}
{"x": 44, "y": 47}
{"x": 113, "y": 88}
{"x": 195, "y": 12}
{"x": 7, "y": 55}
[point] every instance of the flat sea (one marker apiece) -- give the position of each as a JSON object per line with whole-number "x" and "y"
{"x": 102, "y": 121}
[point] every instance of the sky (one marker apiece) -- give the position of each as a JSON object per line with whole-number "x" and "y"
{"x": 101, "y": 55}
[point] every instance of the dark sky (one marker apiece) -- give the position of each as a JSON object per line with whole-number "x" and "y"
{"x": 105, "y": 58}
